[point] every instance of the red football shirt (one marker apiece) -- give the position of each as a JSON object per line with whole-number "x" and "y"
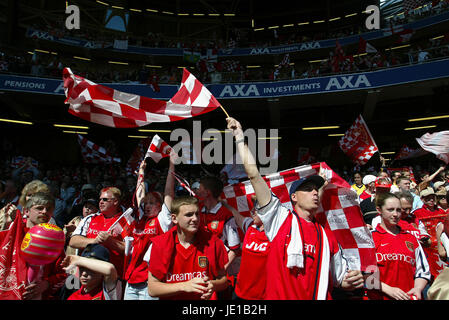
{"x": 189, "y": 263}
{"x": 96, "y": 294}
{"x": 251, "y": 280}
{"x": 400, "y": 259}
{"x": 100, "y": 223}
{"x": 143, "y": 231}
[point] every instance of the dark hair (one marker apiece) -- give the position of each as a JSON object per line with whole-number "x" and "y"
{"x": 381, "y": 198}
{"x": 398, "y": 180}
{"x": 213, "y": 184}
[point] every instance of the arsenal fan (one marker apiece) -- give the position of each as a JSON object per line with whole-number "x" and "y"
{"x": 154, "y": 219}
{"x": 187, "y": 262}
{"x": 97, "y": 276}
{"x": 251, "y": 280}
{"x": 94, "y": 228}
{"x": 220, "y": 221}
{"x": 430, "y": 215}
{"x": 403, "y": 268}
{"x": 38, "y": 209}
{"x": 369, "y": 182}
{"x": 358, "y": 186}
{"x": 304, "y": 261}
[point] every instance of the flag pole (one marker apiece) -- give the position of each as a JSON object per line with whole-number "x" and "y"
{"x": 227, "y": 115}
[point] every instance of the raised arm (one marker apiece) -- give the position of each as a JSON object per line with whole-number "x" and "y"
{"x": 261, "y": 189}
{"x": 169, "y": 191}
{"x": 140, "y": 188}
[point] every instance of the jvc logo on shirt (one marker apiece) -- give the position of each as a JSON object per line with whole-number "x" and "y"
{"x": 254, "y": 246}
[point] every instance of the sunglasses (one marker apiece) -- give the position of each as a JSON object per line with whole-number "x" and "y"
{"x": 106, "y": 199}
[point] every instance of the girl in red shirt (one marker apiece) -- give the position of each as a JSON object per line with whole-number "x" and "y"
{"x": 403, "y": 268}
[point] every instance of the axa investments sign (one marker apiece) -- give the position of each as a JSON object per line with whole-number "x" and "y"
{"x": 294, "y": 87}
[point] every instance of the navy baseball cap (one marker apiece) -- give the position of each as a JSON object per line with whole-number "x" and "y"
{"x": 96, "y": 251}
{"x": 316, "y": 179}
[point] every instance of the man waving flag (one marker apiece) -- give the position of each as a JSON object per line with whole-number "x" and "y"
{"x": 100, "y": 104}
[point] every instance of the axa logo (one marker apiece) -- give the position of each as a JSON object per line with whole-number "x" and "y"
{"x": 348, "y": 82}
{"x": 237, "y": 90}
{"x": 309, "y": 46}
{"x": 42, "y": 35}
{"x": 260, "y": 51}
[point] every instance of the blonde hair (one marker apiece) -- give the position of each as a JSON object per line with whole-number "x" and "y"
{"x": 182, "y": 201}
{"x": 31, "y": 188}
{"x": 115, "y": 192}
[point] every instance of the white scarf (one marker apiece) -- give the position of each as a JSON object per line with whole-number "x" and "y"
{"x": 295, "y": 256}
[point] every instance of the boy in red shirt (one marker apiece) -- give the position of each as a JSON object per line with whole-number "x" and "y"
{"x": 187, "y": 262}
{"x": 252, "y": 278}
{"x": 98, "y": 277}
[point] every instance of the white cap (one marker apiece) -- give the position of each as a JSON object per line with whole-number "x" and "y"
{"x": 368, "y": 179}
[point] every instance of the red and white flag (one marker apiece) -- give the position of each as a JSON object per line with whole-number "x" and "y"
{"x": 339, "y": 210}
{"x": 357, "y": 143}
{"x": 124, "y": 224}
{"x": 365, "y": 47}
{"x": 184, "y": 183}
{"x": 100, "y": 104}
{"x": 408, "y": 153}
{"x": 93, "y": 153}
{"x": 405, "y": 35}
{"x": 13, "y": 269}
{"x": 437, "y": 143}
{"x": 158, "y": 149}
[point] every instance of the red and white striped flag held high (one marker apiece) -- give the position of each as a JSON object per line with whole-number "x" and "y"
{"x": 158, "y": 149}
{"x": 339, "y": 210}
{"x": 357, "y": 143}
{"x": 100, "y": 104}
{"x": 437, "y": 143}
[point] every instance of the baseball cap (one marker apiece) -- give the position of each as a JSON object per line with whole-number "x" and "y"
{"x": 96, "y": 251}
{"x": 426, "y": 192}
{"x": 438, "y": 184}
{"x": 368, "y": 179}
{"x": 318, "y": 180}
{"x": 441, "y": 192}
{"x": 87, "y": 186}
{"x": 91, "y": 201}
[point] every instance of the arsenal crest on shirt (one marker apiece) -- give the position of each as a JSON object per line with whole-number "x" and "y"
{"x": 202, "y": 261}
{"x": 409, "y": 245}
{"x": 214, "y": 224}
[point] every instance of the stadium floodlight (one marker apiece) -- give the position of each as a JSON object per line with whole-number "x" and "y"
{"x": 16, "y": 121}
{"x": 70, "y": 126}
{"x": 418, "y": 128}
{"x": 429, "y": 118}
{"x": 321, "y": 128}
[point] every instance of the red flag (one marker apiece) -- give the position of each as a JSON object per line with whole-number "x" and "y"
{"x": 357, "y": 143}
{"x": 158, "y": 149}
{"x": 365, "y": 46}
{"x": 113, "y": 108}
{"x": 339, "y": 211}
{"x": 13, "y": 269}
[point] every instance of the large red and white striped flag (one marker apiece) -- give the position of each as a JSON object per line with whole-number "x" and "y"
{"x": 93, "y": 153}
{"x": 358, "y": 143}
{"x": 100, "y": 104}
{"x": 437, "y": 143}
{"x": 339, "y": 210}
{"x": 158, "y": 149}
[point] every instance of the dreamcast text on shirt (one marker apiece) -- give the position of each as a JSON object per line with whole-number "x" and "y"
{"x": 227, "y": 311}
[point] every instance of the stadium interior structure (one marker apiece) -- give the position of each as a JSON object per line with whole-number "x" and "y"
{"x": 225, "y": 26}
